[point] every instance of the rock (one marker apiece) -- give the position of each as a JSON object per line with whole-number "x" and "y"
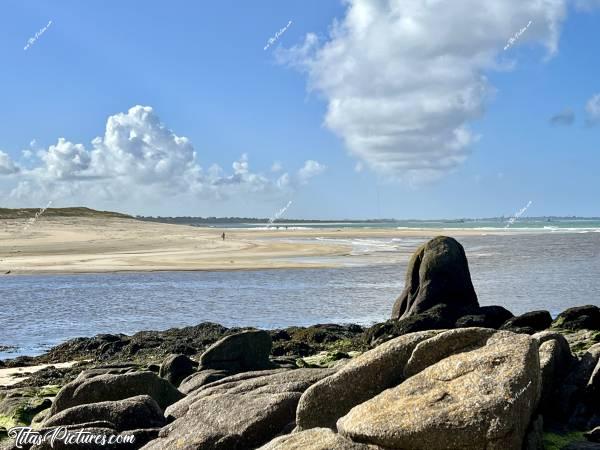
{"x": 485, "y": 317}
{"x": 180, "y": 408}
{"x": 142, "y": 436}
{"x": 571, "y": 392}
{"x": 581, "y": 446}
{"x": 361, "y": 379}
{"x": 555, "y": 361}
{"x": 323, "y": 360}
{"x": 175, "y": 368}
{"x": 581, "y": 340}
{"x": 18, "y": 407}
{"x": 439, "y": 317}
{"x": 529, "y": 322}
{"x": 285, "y": 362}
{"x": 593, "y": 435}
{"x": 534, "y": 439}
{"x": 115, "y": 387}
{"x": 471, "y": 321}
{"x": 314, "y": 439}
{"x": 145, "y": 346}
{"x": 202, "y": 378}
{"x": 581, "y": 317}
{"x": 495, "y": 315}
{"x": 39, "y": 418}
{"x": 437, "y": 273}
{"x": 135, "y": 412}
{"x": 482, "y": 398}
{"x": 445, "y": 344}
{"x": 90, "y": 373}
{"x": 229, "y": 421}
{"x": 305, "y": 341}
{"x": 265, "y": 380}
{"x": 244, "y": 351}
{"x": 240, "y": 414}
{"x": 593, "y": 385}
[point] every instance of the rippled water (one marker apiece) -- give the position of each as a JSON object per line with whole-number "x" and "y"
{"x": 521, "y": 272}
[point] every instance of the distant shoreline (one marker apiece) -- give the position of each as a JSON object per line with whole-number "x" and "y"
{"x": 109, "y": 244}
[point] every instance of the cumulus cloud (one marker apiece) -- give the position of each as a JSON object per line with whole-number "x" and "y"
{"x": 7, "y": 166}
{"x": 66, "y": 160}
{"x": 309, "y": 170}
{"x": 592, "y": 109}
{"x": 565, "y": 117}
{"x": 404, "y": 78}
{"x": 276, "y": 167}
{"x": 138, "y": 157}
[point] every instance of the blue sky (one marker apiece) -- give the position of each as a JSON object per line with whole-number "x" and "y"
{"x": 365, "y": 112}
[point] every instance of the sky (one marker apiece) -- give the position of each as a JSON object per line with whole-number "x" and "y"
{"x": 348, "y": 109}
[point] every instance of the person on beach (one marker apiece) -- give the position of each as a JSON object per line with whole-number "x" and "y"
{"x": 223, "y": 236}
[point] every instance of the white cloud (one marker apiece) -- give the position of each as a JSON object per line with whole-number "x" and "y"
{"x": 592, "y": 108}
{"x": 138, "y": 159}
{"x": 284, "y": 181}
{"x": 276, "y": 167}
{"x": 309, "y": 170}
{"x": 66, "y": 160}
{"x": 7, "y": 166}
{"x": 403, "y": 78}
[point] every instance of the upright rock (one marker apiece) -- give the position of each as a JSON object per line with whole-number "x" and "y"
{"x": 438, "y": 273}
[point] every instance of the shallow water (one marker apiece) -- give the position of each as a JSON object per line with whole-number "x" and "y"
{"x": 522, "y": 272}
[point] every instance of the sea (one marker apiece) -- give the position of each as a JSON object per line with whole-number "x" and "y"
{"x": 533, "y": 265}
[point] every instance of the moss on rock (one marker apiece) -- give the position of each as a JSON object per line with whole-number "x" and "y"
{"x": 556, "y": 441}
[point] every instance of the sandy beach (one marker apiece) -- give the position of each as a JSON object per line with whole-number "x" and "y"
{"x": 14, "y": 375}
{"x": 96, "y": 244}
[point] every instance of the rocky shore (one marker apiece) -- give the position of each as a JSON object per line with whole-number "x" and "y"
{"x": 442, "y": 373}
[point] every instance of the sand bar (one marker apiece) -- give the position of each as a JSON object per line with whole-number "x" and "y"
{"x": 66, "y": 245}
